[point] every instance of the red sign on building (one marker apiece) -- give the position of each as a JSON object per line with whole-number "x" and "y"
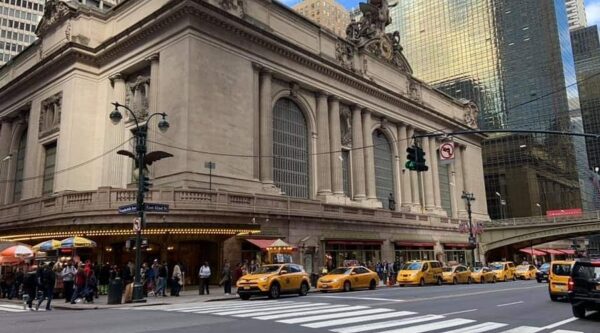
{"x": 564, "y": 212}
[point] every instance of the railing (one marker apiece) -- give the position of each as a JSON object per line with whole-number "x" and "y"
{"x": 106, "y": 200}
{"x": 539, "y": 220}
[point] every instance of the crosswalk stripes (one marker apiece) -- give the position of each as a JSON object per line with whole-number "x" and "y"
{"x": 341, "y": 318}
{"x": 15, "y": 308}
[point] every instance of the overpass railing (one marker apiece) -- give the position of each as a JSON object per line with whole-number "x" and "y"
{"x": 536, "y": 220}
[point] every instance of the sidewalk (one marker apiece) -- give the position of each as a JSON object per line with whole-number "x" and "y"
{"x": 189, "y": 295}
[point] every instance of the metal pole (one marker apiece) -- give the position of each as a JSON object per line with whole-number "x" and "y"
{"x": 140, "y": 148}
{"x": 472, "y": 241}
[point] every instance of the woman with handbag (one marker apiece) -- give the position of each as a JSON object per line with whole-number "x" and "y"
{"x": 177, "y": 280}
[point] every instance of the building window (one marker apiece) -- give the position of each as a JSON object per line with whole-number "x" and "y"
{"x": 384, "y": 176}
{"x": 18, "y": 190}
{"x": 290, "y": 149}
{"x": 445, "y": 189}
{"x": 49, "y": 168}
{"x": 346, "y": 173}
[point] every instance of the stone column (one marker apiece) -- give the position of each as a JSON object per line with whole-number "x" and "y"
{"x": 358, "y": 156}
{"x": 436, "y": 173}
{"x": 428, "y": 179}
{"x": 369, "y": 156}
{"x": 465, "y": 169}
{"x": 323, "y": 160}
{"x": 453, "y": 199}
{"x": 415, "y": 185}
{"x": 266, "y": 128}
{"x": 335, "y": 144}
{"x": 459, "y": 180}
{"x": 5, "y": 138}
{"x": 115, "y": 172}
{"x": 405, "y": 185}
{"x": 153, "y": 132}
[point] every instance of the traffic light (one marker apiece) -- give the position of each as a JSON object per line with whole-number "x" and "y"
{"x": 411, "y": 158}
{"x": 420, "y": 160}
{"x": 145, "y": 183}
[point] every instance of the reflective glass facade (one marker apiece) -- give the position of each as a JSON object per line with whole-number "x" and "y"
{"x": 514, "y": 59}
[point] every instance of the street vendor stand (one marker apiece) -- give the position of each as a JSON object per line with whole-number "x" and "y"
{"x": 279, "y": 252}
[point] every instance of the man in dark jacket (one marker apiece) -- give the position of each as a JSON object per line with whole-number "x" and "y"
{"x": 47, "y": 280}
{"x": 30, "y": 286}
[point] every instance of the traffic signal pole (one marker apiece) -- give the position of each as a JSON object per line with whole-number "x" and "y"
{"x": 140, "y": 148}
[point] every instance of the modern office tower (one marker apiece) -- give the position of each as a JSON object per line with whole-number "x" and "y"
{"x": 18, "y": 20}
{"x": 576, "y": 14}
{"x": 514, "y": 59}
{"x": 328, "y": 13}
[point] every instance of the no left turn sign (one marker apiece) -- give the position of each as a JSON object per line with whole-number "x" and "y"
{"x": 447, "y": 151}
{"x": 137, "y": 224}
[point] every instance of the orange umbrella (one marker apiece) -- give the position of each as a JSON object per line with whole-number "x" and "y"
{"x": 17, "y": 251}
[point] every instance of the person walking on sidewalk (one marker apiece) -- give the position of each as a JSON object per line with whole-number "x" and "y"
{"x": 204, "y": 275}
{"x": 79, "y": 288}
{"x": 163, "y": 273}
{"x": 68, "y": 275}
{"x": 30, "y": 286}
{"x": 226, "y": 278}
{"x": 47, "y": 280}
{"x": 177, "y": 280}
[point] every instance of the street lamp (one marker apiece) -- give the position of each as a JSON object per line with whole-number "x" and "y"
{"x": 141, "y": 135}
{"x": 502, "y": 202}
{"x": 468, "y": 197}
{"x": 540, "y": 207}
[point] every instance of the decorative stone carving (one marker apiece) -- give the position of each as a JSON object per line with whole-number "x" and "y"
{"x": 50, "y": 115}
{"x": 346, "y": 126}
{"x": 137, "y": 98}
{"x": 369, "y": 34}
{"x": 344, "y": 53}
{"x": 294, "y": 89}
{"x": 471, "y": 113}
{"x": 235, "y": 7}
{"x": 55, "y": 12}
{"x": 414, "y": 90}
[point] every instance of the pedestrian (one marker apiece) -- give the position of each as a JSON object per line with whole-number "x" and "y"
{"x": 238, "y": 272}
{"x": 79, "y": 285}
{"x": 68, "y": 276}
{"x": 46, "y": 283}
{"x": 91, "y": 287}
{"x": 149, "y": 281}
{"x": 226, "y": 278}
{"x": 104, "y": 279}
{"x": 163, "y": 273}
{"x": 177, "y": 280}
{"x": 204, "y": 276}
{"x": 253, "y": 266}
{"x": 30, "y": 287}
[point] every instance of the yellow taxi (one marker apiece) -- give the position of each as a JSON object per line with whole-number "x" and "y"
{"x": 558, "y": 278}
{"x": 525, "y": 272}
{"x": 457, "y": 274}
{"x": 483, "y": 275}
{"x": 420, "y": 273}
{"x": 348, "y": 278}
{"x": 504, "y": 270}
{"x": 274, "y": 280}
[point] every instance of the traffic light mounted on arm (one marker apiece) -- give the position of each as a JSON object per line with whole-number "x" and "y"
{"x": 420, "y": 161}
{"x": 415, "y": 160}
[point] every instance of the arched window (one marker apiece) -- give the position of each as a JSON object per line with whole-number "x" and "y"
{"x": 384, "y": 176}
{"x": 290, "y": 149}
{"x": 20, "y": 160}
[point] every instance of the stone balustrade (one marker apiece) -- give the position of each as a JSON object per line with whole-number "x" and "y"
{"x": 540, "y": 220}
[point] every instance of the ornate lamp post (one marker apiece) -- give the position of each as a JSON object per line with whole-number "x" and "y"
{"x": 472, "y": 240}
{"x": 141, "y": 135}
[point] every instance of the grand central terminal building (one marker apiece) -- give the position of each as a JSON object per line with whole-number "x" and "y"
{"x": 279, "y": 129}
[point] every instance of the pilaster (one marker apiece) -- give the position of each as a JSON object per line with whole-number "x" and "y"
{"x": 323, "y": 158}
{"x": 358, "y": 156}
{"x": 335, "y": 145}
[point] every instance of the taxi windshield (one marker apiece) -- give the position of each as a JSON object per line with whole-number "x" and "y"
{"x": 447, "y": 269}
{"x": 267, "y": 269}
{"x": 545, "y": 267}
{"x": 522, "y": 268}
{"x": 340, "y": 270}
{"x": 496, "y": 267}
{"x": 478, "y": 269}
{"x": 414, "y": 266}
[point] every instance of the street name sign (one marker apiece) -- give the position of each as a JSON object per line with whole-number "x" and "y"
{"x": 128, "y": 209}
{"x": 149, "y": 207}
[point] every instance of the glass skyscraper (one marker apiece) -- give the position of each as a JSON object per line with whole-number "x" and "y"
{"x": 514, "y": 59}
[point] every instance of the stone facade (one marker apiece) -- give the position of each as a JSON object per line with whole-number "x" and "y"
{"x": 218, "y": 69}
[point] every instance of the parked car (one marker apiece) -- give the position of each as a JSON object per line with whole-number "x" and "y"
{"x": 483, "y": 275}
{"x": 525, "y": 272}
{"x": 584, "y": 287}
{"x": 558, "y": 278}
{"x": 274, "y": 280}
{"x": 504, "y": 270}
{"x": 420, "y": 273}
{"x": 457, "y": 274}
{"x": 542, "y": 273}
{"x": 348, "y": 278}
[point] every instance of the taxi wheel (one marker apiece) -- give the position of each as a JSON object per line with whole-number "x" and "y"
{"x": 245, "y": 297}
{"x": 347, "y": 286}
{"x": 579, "y": 311}
{"x": 539, "y": 280}
{"x": 303, "y": 289}
{"x": 514, "y": 278}
{"x": 454, "y": 281}
{"x": 553, "y": 298}
{"x": 422, "y": 282}
{"x": 469, "y": 280}
{"x": 400, "y": 285}
{"x": 372, "y": 285}
{"x": 440, "y": 281}
{"x": 274, "y": 291}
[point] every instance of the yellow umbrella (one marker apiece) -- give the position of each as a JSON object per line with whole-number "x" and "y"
{"x": 75, "y": 242}
{"x": 48, "y": 245}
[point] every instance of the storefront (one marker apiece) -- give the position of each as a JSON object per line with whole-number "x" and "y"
{"x": 340, "y": 252}
{"x": 407, "y": 251}
{"x": 459, "y": 253}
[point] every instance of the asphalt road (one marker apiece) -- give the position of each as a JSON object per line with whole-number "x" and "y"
{"x": 520, "y": 307}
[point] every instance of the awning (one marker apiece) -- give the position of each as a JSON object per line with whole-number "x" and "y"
{"x": 567, "y": 251}
{"x": 263, "y": 244}
{"x": 535, "y": 252}
{"x": 354, "y": 242}
{"x": 458, "y": 245}
{"x": 552, "y": 251}
{"x": 414, "y": 244}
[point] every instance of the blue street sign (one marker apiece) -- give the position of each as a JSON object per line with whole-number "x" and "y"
{"x": 128, "y": 209}
{"x": 156, "y": 207}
